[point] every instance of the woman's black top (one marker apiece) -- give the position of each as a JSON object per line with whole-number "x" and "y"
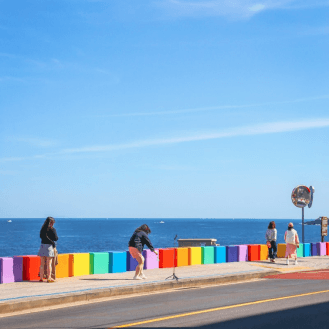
{"x": 49, "y": 236}
{"x": 139, "y": 239}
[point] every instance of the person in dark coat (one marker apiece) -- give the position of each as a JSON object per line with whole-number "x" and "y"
{"x": 47, "y": 251}
{"x": 136, "y": 246}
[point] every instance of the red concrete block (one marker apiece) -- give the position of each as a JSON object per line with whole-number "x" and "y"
{"x": 31, "y": 267}
{"x": 327, "y": 248}
{"x": 166, "y": 257}
{"x": 253, "y": 252}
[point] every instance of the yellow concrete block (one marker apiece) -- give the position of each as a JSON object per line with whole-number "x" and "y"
{"x": 79, "y": 264}
{"x": 181, "y": 258}
{"x": 263, "y": 251}
{"x": 62, "y": 268}
{"x": 281, "y": 250}
{"x": 194, "y": 256}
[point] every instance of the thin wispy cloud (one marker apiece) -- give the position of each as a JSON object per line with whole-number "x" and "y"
{"x": 259, "y": 129}
{"x": 212, "y": 108}
{"x": 32, "y": 141}
{"x": 232, "y": 8}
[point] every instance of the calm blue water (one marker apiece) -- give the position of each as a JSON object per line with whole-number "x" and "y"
{"x": 21, "y": 236}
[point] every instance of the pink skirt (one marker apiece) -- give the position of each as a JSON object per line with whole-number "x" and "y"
{"x": 291, "y": 251}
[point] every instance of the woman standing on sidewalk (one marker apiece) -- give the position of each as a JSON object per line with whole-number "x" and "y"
{"x": 271, "y": 236}
{"x": 47, "y": 249}
{"x": 292, "y": 241}
{"x": 136, "y": 245}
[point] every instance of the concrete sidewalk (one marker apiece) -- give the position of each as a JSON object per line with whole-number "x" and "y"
{"x": 20, "y": 296}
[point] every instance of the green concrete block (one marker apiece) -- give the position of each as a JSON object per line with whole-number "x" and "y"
{"x": 208, "y": 255}
{"x": 300, "y": 250}
{"x": 99, "y": 262}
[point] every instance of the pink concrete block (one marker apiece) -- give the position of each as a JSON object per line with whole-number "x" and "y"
{"x": 6, "y": 270}
{"x": 243, "y": 253}
{"x": 151, "y": 259}
{"x": 321, "y": 248}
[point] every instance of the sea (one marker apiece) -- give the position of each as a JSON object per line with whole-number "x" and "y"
{"x": 20, "y": 236}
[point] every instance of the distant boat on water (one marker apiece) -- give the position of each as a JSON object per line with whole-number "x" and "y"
{"x": 162, "y": 222}
{"x": 9, "y": 221}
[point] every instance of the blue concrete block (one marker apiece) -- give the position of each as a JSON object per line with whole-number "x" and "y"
{"x": 220, "y": 254}
{"x": 314, "y": 249}
{"x": 232, "y": 254}
{"x": 307, "y": 250}
{"x": 117, "y": 261}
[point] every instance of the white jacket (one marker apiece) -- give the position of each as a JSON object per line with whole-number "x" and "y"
{"x": 291, "y": 237}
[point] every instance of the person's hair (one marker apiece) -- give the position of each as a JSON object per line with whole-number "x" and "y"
{"x": 271, "y": 225}
{"x": 144, "y": 228}
{"x": 45, "y": 225}
{"x": 290, "y": 228}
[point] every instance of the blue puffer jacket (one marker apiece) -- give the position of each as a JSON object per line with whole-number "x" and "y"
{"x": 139, "y": 239}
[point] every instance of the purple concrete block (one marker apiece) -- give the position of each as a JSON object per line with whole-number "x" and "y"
{"x": 232, "y": 254}
{"x": 243, "y": 253}
{"x": 314, "y": 249}
{"x": 18, "y": 268}
{"x": 151, "y": 259}
{"x": 6, "y": 270}
{"x": 321, "y": 248}
{"x": 131, "y": 262}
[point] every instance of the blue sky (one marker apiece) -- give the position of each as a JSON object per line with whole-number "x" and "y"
{"x": 165, "y": 108}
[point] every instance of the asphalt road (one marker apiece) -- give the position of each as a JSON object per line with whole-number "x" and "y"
{"x": 220, "y": 307}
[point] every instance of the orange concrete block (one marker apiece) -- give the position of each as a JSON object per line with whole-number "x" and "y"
{"x": 281, "y": 250}
{"x": 63, "y": 268}
{"x": 181, "y": 257}
{"x": 263, "y": 252}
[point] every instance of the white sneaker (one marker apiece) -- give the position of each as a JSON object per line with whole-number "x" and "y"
{"x": 287, "y": 261}
{"x": 143, "y": 276}
{"x": 296, "y": 262}
{"x": 136, "y": 277}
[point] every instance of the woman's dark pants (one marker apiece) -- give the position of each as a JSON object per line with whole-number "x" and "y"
{"x": 272, "y": 251}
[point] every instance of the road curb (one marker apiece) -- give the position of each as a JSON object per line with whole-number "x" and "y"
{"x": 39, "y": 302}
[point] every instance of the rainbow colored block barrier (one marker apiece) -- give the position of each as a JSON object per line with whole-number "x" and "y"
{"x": 232, "y": 253}
{"x": 281, "y": 250}
{"x": 63, "y": 267}
{"x": 194, "y": 256}
{"x": 300, "y": 250}
{"x": 307, "y": 250}
{"x": 181, "y": 257}
{"x": 242, "y": 253}
{"x": 79, "y": 264}
{"x": 99, "y": 262}
{"x": 19, "y": 268}
{"x": 220, "y": 254}
{"x": 117, "y": 261}
{"x": 207, "y": 255}
{"x": 6, "y": 270}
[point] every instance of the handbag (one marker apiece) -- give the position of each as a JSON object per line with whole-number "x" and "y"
{"x": 268, "y": 243}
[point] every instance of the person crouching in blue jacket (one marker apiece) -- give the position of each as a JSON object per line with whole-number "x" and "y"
{"x": 136, "y": 245}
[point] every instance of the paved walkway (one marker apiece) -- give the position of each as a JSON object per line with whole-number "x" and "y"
{"x": 19, "y": 292}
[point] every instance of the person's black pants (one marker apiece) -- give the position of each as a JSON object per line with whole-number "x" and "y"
{"x": 272, "y": 251}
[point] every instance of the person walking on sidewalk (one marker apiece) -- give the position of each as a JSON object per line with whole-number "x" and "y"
{"x": 292, "y": 243}
{"x": 47, "y": 251}
{"x": 136, "y": 245}
{"x": 271, "y": 236}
